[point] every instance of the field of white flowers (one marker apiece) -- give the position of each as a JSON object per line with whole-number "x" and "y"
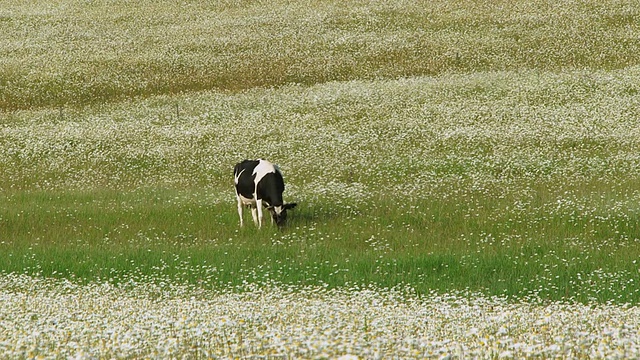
{"x": 467, "y": 173}
{"x": 77, "y": 52}
{"x": 411, "y": 137}
{"x": 50, "y": 319}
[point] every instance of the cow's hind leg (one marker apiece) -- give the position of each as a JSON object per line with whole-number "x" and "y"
{"x": 240, "y": 211}
{"x": 259, "y": 211}
{"x": 254, "y": 214}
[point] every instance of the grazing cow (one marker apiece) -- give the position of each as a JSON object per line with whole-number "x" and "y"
{"x": 259, "y": 181}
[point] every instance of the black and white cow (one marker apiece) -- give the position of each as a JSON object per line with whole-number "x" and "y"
{"x": 259, "y": 181}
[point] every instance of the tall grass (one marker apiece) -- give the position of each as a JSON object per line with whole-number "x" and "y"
{"x": 435, "y": 145}
{"x": 110, "y": 236}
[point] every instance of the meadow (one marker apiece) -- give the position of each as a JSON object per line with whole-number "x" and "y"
{"x": 467, "y": 174}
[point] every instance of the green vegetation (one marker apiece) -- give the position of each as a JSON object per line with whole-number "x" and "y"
{"x": 440, "y": 145}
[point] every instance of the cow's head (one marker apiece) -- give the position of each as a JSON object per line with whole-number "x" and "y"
{"x": 279, "y": 213}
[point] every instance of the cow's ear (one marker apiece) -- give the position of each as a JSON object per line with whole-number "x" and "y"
{"x": 290, "y": 206}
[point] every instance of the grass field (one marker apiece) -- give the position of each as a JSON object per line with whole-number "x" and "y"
{"x": 479, "y": 148}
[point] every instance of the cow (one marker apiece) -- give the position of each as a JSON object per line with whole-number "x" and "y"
{"x": 259, "y": 183}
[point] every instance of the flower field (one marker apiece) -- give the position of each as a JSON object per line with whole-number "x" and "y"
{"x": 467, "y": 174}
{"x": 58, "y": 319}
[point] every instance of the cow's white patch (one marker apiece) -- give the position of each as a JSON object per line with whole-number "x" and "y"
{"x": 263, "y": 168}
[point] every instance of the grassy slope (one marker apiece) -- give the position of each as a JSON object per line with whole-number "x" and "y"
{"x": 513, "y": 170}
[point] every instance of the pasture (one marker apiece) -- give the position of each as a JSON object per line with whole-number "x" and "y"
{"x": 467, "y": 177}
